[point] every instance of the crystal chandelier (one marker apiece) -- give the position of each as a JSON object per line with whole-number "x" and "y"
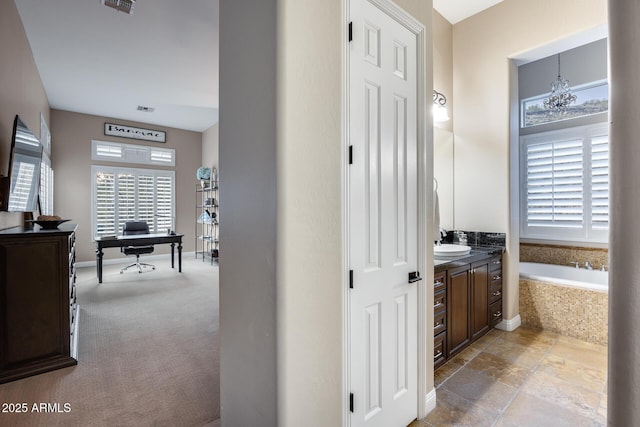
{"x": 561, "y": 96}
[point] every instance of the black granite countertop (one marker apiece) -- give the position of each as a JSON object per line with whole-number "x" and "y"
{"x": 478, "y": 253}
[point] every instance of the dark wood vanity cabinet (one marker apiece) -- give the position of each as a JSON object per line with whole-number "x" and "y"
{"x": 38, "y": 307}
{"x": 458, "y": 311}
{"x": 467, "y": 304}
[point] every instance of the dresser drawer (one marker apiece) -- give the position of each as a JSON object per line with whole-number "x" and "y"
{"x": 439, "y": 349}
{"x": 439, "y": 322}
{"x": 439, "y": 282}
{"x": 495, "y": 312}
{"x": 440, "y": 301}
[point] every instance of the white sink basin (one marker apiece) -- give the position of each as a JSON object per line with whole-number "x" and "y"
{"x": 451, "y": 250}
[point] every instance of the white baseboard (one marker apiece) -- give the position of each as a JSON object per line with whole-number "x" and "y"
{"x": 430, "y": 401}
{"x": 510, "y": 324}
{"x": 125, "y": 260}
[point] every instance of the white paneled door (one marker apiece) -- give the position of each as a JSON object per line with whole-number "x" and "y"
{"x": 383, "y": 227}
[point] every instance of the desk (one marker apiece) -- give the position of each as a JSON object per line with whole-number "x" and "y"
{"x": 139, "y": 240}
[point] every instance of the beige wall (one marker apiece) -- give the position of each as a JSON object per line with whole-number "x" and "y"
{"x": 21, "y": 90}
{"x": 71, "y": 158}
{"x": 482, "y": 46}
{"x": 310, "y": 242}
{"x": 210, "y": 147}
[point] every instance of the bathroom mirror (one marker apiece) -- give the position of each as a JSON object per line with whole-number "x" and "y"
{"x": 443, "y": 173}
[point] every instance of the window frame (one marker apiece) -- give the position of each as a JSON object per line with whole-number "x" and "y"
{"x": 587, "y": 233}
{"x": 132, "y": 153}
{"x": 575, "y": 89}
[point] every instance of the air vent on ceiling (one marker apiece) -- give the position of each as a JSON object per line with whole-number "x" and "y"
{"x": 125, "y": 6}
{"x": 145, "y": 109}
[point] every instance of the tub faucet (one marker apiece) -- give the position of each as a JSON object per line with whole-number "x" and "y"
{"x": 576, "y": 264}
{"x": 603, "y": 268}
{"x": 588, "y": 266}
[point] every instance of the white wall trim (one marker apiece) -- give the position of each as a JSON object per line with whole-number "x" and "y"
{"x": 127, "y": 259}
{"x": 510, "y": 325}
{"x": 430, "y": 401}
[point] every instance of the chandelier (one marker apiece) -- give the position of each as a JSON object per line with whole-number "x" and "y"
{"x": 561, "y": 96}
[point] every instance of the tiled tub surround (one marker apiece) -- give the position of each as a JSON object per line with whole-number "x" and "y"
{"x": 570, "y": 311}
{"x": 563, "y": 255}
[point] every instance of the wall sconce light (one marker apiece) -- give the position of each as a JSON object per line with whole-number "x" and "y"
{"x": 440, "y": 113}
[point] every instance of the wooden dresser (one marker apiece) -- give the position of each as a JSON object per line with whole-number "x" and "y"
{"x": 38, "y": 308}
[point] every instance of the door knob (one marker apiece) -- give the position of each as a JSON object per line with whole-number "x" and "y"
{"x": 414, "y": 276}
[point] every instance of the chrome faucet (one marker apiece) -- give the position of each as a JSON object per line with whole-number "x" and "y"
{"x": 588, "y": 266}
{"x": 576, "y": 264}
{"x": 603, "y": 267}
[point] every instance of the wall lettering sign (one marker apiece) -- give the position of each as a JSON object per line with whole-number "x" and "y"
{"x": 135, "y": 133}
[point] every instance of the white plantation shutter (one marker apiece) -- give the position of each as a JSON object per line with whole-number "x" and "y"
{"x": 146, "y": 200}
{"x": 164, "y": 202}
{"x": 600, "y": 182}
{"x": 554, "y": 184}
{"x": 565, "y": 184}
{"x": 130, "y": 153}
{"x": 104, "y": 206}
{"x": 126, "y": 187}
{"x": 122, "y": 195}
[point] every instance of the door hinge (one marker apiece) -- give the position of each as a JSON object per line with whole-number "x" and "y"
{"x": 351, "y": 154}
{"x": 350, "y": 279}
{"x": 351, "y": 402}
{"x": 350, "y": 31}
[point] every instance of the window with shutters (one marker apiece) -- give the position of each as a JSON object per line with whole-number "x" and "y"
{"x": 130, "y": 153}
{"x": 127, "y": 194}
{"x": 46, "y": 186}
{"x": 565, "y": 184}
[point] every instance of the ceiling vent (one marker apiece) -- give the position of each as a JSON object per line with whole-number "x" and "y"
{"x": 125, "y": 6}
{"x": 145, "y": 109}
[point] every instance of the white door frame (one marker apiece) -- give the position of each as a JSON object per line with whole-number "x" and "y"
{"x": 425, "y": 198}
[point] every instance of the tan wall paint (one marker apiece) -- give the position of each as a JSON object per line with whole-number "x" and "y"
{"x": 309, "y": 236}
{"x": 482, "y": 46}
{"x": 210, "y": 147}
{"x": 21, "y": 90}
{"x": 71, "y": 158}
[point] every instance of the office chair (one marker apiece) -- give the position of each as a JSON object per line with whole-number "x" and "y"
{"x": 136, "y": 227}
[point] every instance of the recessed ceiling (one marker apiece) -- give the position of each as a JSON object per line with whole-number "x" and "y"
{"x": 95, "y": 60}
{"x": 455, "y": 11}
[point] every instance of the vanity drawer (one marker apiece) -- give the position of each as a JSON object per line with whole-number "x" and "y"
{"x": 439, "y": 282}
{"x": 439, "y": 349}
{"x": 496, "y": 277}
{"x": 495, "y": 312}
{"x": 495, "y": 291}
{"x": 495, "y": 263}
{"x": 440, "y": 301}
{"x": 439, "y": 322}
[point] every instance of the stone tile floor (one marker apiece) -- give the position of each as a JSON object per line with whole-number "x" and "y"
{"x": 522, "y": 378}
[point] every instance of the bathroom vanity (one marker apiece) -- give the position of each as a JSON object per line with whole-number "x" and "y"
{"x": 467, "y": 300}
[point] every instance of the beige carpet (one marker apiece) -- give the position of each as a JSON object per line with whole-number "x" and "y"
{"x": 148, "y": 353}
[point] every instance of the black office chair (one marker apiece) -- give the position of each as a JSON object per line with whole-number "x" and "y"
{"x": 136, "y": 227}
